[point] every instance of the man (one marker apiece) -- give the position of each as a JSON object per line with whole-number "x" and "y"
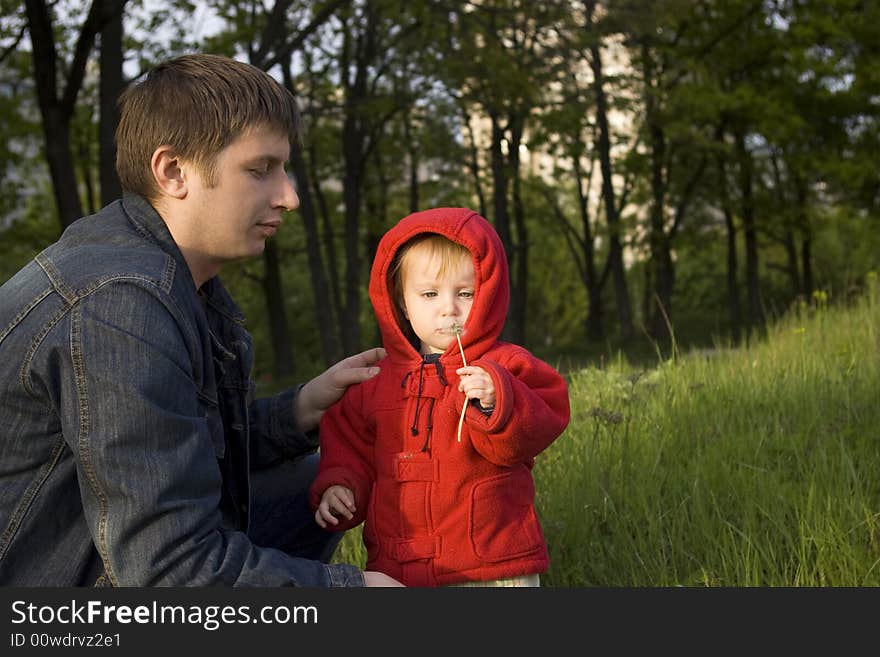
{"x": 131, "y": 450}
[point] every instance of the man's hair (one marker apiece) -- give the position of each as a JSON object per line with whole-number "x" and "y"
{"x": 429, "y": 245}
{"x": 198, "y": 104}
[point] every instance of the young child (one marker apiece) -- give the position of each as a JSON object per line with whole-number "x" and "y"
{"x": 442, "y": 508}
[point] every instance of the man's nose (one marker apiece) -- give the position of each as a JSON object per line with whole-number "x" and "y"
{"x": 288, "y": 199}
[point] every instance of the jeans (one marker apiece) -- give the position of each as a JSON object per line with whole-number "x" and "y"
{"x": 281, "y": 517}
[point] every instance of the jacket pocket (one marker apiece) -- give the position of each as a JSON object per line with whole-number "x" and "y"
{"x": 502, "y": 521}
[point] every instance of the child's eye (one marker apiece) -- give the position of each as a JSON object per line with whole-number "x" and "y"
{"x": 429, "y": 295}
{"x": 466, "y": 294}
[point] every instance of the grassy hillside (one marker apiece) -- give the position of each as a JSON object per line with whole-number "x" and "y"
{"x": 748, "y": 467}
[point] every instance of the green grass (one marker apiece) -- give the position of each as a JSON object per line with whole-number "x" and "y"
{"x": 756, "y": 466}
{"x": 747, "y": 467}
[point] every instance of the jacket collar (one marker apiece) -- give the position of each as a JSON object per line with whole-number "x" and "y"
{"x": 151, "y": 225}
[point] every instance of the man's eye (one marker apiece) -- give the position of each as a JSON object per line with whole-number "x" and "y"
{"x": 261, "y": 172}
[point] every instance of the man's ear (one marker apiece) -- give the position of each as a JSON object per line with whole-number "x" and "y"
{"x": 167, "y": 172}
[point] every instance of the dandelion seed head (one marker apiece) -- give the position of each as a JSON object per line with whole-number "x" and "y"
{"x": 453, "y": 328}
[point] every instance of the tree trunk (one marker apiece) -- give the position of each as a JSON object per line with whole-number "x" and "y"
{"x": 474, "y": 161}
{"x": 328, "y": 239}
{"x": 612, "y": 217}
{"x": 662, "y": 273}
{"x": 354, "y": 153}
{"x": 500, "y": 206}
{"x": 499, "y": 187}
{"x": 56, "y": 114}
{"x": 351, "y": 324}
{"x": 376, "y": 212}
{"x": 807, "y": 263}
{"x": 279, "y": 331}
{"x": 753, "y": 285}
{"x": 803, "y": 222}
{"x": 413, "y": 156}
{"x": 86, "y": 166}
{"x": 324, "y": 318}
{"x": 788, "y": 238}
{"x": 56, "y": 110}
{"x": 111, "y": 86}
{"x": 594, "y": 321}
{"x": 520, "y": 278}
{"x": 734, "y": 309}
{"x": 283, "y": 365}
{"x": 56, "y": 128}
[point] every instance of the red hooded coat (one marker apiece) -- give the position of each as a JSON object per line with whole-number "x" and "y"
{"x": 439, "y": 511}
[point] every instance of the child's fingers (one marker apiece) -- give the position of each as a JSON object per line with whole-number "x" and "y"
{"x": 340, "y": 508}
{"x": 344, "y": 501}
{"x": 474, "y": 387}
{"x": 470, "y": 373}
{"x": 323, "y": 516}
{"x": 347, "y": 498}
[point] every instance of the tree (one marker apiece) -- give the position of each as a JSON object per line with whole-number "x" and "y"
{"x": 58, "y": 106}
{"x": 111, "y": 85}
{"x": 498, "y": 57}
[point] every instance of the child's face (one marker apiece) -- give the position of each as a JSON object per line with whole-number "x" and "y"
{"x": 433, "y": 304}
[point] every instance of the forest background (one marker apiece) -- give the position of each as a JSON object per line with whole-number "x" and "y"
{"x": 662, "y": 174}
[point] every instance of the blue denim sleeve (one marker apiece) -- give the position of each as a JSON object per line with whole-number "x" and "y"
{"x": 146, "y": 461}
{"x": 273, "y": 429}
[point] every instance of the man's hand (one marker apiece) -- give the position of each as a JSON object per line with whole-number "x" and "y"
{"x": 324, "y": 390}
{"x": 375, "y": 578}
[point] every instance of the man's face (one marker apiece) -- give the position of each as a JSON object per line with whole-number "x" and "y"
{"x": 432, "y": 303}
{"x": 233, "y": 218}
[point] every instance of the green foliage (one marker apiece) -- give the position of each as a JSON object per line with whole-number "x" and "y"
{"x": 800, "y": 81}
{"x": 34, "y": 229}
{"x": 847, "y": 248}
{"x": 556, "y": 296}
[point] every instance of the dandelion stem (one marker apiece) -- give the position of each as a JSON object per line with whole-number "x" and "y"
{"x": 460, "y": 348}
{"x": 464, "y": 406}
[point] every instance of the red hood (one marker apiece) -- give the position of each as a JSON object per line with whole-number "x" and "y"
{"x": 491, "y": 292}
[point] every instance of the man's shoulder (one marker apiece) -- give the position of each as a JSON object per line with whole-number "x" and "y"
{"x": 103, "y": 248}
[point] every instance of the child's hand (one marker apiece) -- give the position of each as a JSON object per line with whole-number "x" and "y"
{"x": 336, "y": 501}
{"x": 476, "y": 383}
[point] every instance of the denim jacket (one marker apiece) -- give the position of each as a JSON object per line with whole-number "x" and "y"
{"x": 127, "y": 420}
